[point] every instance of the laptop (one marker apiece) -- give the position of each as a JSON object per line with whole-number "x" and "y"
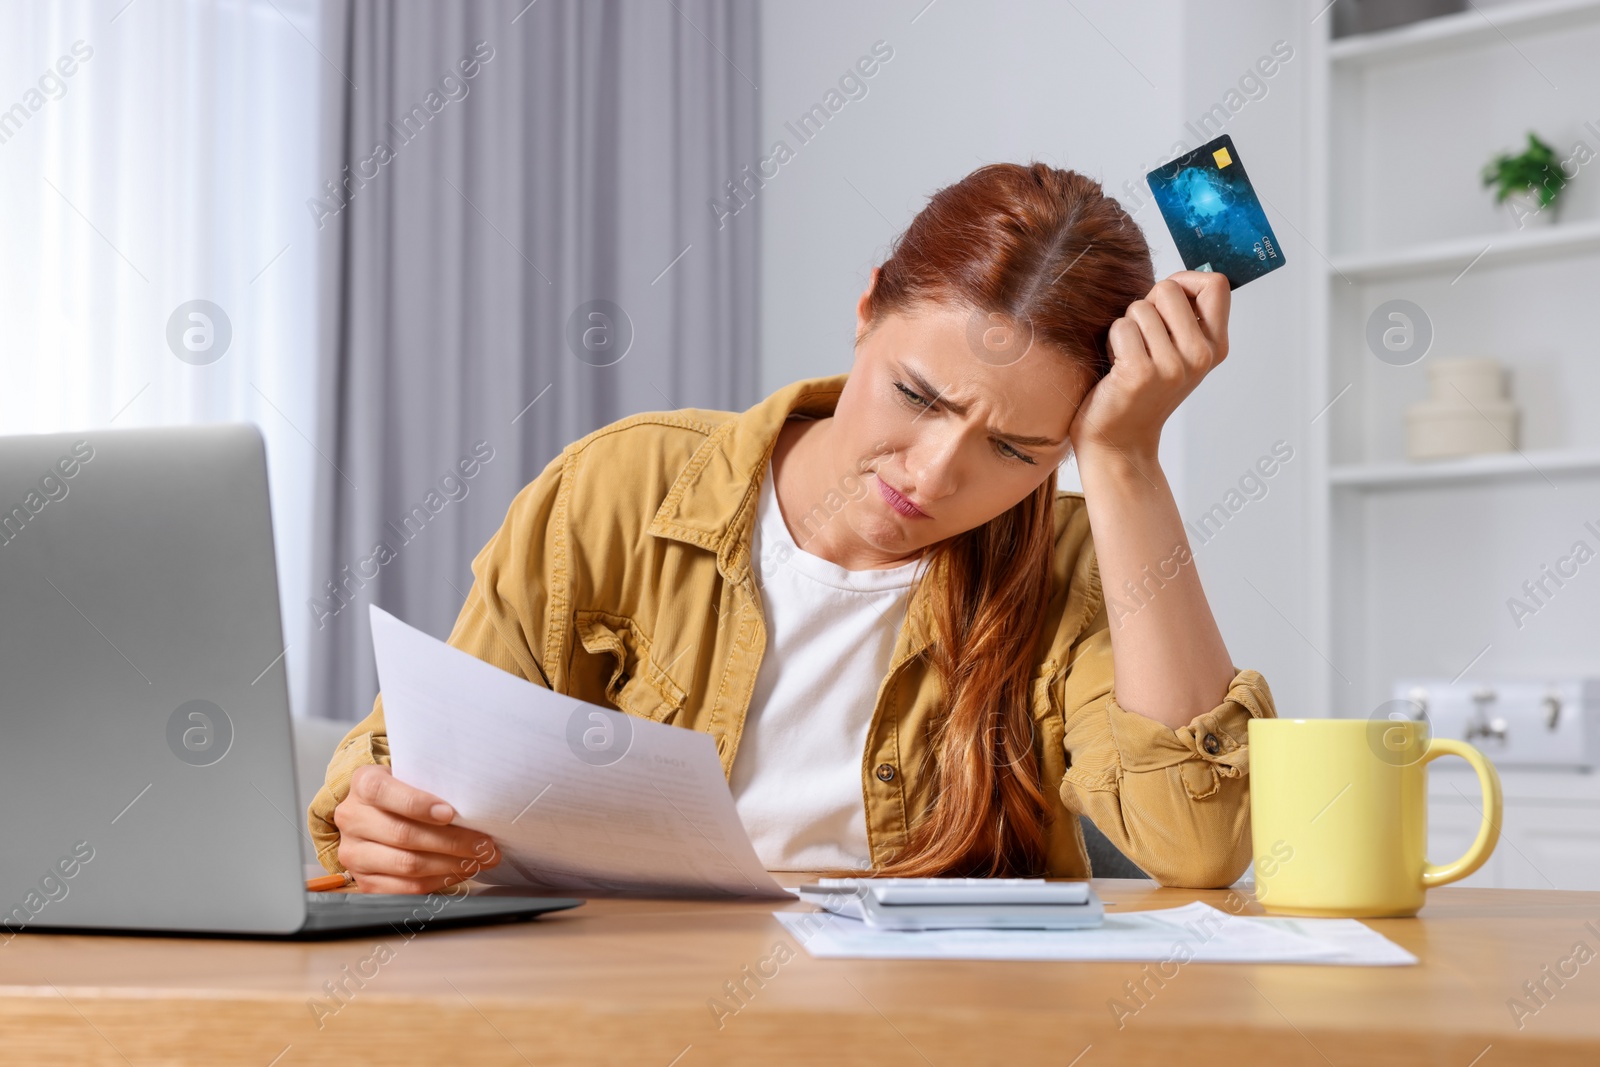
{"x": 147, "y": 772}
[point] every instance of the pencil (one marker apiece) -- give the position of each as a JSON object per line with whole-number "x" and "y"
{"x": 328, "y": 881}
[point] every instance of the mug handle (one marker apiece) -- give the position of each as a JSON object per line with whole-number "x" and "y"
{"x": 1488, "y": 833}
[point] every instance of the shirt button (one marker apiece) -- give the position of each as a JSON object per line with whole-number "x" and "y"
{"x": 1211, "y": 744}
{"x": 885, "y": 772}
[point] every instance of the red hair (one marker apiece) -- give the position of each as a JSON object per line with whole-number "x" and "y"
{"x": 1048, "y": 251}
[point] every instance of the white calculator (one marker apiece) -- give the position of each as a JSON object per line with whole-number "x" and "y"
{"x": 956, "y": 903}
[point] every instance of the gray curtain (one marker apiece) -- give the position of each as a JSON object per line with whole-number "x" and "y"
{"x": 521, "y": 240}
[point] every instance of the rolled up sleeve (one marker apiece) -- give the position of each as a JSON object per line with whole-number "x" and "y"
{"x": 366, "y": 743}
{"x": 1175, "y": 801}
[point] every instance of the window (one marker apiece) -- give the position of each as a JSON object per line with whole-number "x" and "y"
{"x": 152, "y": 155}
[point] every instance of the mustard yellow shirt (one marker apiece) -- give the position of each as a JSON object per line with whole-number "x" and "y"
{"x": 622, "y": 576}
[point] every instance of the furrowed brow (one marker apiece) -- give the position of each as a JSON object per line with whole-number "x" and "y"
{"x": 935, "y": 393}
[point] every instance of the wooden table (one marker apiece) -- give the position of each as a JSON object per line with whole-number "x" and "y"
{"x": 632, "y": 982}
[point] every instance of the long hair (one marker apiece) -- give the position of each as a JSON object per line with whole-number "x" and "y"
{"x": 1058, "y": 259}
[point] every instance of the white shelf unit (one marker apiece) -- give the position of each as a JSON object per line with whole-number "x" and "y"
{"x": 1549, "y": 464}
{"x": 1466, "y": 29}
{"x": 1460, "y": 254}
{"x": 1413, "y": 563}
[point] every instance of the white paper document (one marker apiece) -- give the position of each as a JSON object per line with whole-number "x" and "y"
{"x": 1194, "y": 932}
{"x": 580, "y": 799}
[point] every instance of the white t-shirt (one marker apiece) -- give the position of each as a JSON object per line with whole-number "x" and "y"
{"x": 796, "y": 778}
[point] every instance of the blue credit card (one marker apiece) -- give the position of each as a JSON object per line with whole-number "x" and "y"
{"x": 1215, "y": 217}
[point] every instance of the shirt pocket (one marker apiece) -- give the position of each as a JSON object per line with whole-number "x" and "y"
{"x": 637, "y": 684}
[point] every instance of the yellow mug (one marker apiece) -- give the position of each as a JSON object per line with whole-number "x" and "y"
{"x": 1339, "y": 815}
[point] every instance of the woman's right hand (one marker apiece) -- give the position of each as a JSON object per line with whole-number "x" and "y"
{"x": 395, "y": 838}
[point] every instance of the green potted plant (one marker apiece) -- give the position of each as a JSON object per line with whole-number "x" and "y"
{"x": 1528, "y": 183}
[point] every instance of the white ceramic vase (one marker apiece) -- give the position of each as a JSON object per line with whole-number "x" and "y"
{"x": 1522, "y": 210}
{"x": 1465, "y": 414}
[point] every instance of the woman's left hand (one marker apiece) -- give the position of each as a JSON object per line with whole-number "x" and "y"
{"x": 1160, "y": 350}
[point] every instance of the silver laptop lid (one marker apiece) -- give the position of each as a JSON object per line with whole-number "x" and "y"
{"x": 146, "y": 762}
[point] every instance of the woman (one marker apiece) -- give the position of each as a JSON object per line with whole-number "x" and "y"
{"x": 869, "y": 589}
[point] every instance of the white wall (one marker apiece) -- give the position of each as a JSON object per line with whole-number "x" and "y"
{"x": 1100, "y": 87}
{"x": 1256, "y": 569}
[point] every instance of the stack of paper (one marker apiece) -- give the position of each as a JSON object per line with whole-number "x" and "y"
{"x": 1192, "y": 933}
{"x": 580, "y": 799}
